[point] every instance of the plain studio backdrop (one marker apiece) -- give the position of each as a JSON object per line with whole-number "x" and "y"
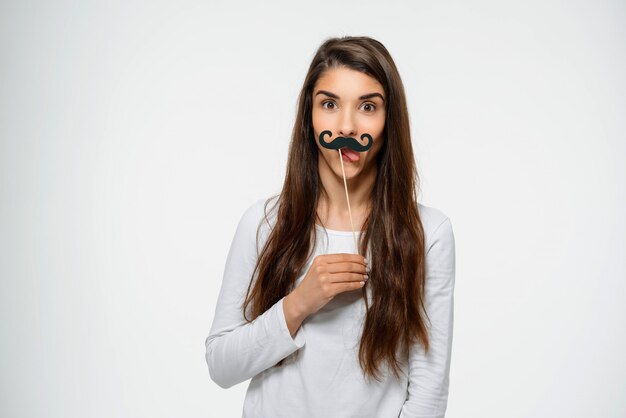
{"x": 134, "y": 134}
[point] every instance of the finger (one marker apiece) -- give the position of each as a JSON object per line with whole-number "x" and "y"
{"x": 344, "y": 258}
{"x": 347, "y": 277}
{"x": 345, "y": 268}
{"x": 346, "y": 287}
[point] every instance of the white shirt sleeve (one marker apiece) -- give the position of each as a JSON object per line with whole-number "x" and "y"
{"x": 429, "y": 373}
{"x": 235, "y": 349}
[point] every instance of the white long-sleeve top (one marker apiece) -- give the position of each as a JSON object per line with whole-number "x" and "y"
{"x": 324, "y": 379}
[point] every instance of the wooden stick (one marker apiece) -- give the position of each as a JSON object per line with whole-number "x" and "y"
{"x": 345, "y": 185}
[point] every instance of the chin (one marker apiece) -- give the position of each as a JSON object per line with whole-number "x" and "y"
{"x": 351, "y": 171}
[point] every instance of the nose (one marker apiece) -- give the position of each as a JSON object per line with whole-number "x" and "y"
{"x": 347, "y": 126}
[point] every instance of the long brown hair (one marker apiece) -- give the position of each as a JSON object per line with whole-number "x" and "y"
{"x": 393, "y": 228}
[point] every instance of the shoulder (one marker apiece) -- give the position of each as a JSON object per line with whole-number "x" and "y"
{"x": 260, "y": 213}
{"x": 252, "y": 214}
{"x": 437, "y": 225}
{"x": 261, "y": 209}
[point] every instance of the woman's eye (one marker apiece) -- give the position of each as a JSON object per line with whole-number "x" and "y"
{"x": 369, "y": 107}
{"x": 324, "y": 105}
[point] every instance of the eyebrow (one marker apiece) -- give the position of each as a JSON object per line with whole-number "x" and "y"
{"x": 364, "y": 97}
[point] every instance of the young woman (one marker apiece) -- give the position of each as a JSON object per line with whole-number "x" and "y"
{"x": 323, "y": 327}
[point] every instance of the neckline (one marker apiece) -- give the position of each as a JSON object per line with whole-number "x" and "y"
{"x": 335, "y": 231}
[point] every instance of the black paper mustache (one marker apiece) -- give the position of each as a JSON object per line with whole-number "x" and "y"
{"x": 349, "y": 142}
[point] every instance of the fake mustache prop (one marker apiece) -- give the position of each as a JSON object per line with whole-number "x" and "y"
{"x": 349, "y": 142}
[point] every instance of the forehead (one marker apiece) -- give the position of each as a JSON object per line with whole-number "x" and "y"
{"x": 348, "y": 83}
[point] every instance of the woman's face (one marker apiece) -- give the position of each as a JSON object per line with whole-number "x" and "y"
{"x": 348, "y": 103}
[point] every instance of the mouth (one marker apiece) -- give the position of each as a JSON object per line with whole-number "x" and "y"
{"x": 349, "y": 155}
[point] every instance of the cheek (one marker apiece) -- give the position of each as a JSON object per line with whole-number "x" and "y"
{"x": 318, "y": 119}
{"x": 317, "y": 129}
{"x": 316, "y": 124}
{"x": 378, "y": 136}
{"x": 375, "y": 126}
{"x": 378, "y": 131}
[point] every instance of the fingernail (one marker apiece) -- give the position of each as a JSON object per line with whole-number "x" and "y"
{"x": 362, "y": 283}
{"x": 365, "y": 276}
{"x": 366, "y": 262}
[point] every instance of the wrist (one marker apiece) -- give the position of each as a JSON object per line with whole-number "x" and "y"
{"x": 294, "y": 308}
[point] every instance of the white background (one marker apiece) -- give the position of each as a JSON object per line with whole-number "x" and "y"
{"x": 135, "y": 133}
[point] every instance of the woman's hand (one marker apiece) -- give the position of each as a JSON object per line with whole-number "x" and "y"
{"x": 329, "y": 275}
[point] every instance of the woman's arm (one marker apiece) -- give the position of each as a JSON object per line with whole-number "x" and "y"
{"x": 235, "y": 349}
{"x": 429, "y": 373}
